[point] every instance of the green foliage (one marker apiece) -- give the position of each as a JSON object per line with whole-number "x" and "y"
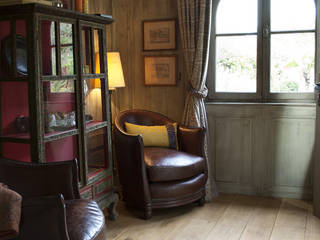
{"x": 242, "y": 64}
{"x": 292, "y": 64}
{"x": 289, "y": 87}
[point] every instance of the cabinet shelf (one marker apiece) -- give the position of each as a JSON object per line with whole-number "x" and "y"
{"x": 14, "y": 79}
{"x": 60, "y": 134}
{"x": 93, "y": 76}
{"x": 16, "y": 138}
{"x": 94, "y": 125}
{"x": 48, "y": 137}
{"x": 58, "y": 78}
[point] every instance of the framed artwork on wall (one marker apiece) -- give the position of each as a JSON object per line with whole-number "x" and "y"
{"x": 159, "y": 35}
{"x": 160, "y": 70}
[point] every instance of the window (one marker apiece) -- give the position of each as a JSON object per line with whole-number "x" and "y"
{"x": 263, "y": 50}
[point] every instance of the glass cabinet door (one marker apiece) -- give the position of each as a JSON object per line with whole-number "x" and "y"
{"x": 59, "y": 91}
{"x": 93, "y": 67}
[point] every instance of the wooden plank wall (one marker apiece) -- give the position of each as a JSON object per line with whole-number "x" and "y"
{"x": 127, "y": 38}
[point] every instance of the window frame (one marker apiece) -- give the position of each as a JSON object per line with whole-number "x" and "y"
{"x": 263, "y": 93}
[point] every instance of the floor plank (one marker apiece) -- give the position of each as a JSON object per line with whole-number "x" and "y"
{"x": 202, "y": 222}
{"x": 226, "y": 217}
{"x": 313, "y": 226}
{"x": 291, "y": 221}
{"x": 262, "y": 221}
{"x": 235, "y": 219}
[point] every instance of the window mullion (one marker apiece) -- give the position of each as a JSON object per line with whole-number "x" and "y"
{"x": 317, "y": 62}
{"x": 264, "y": 49}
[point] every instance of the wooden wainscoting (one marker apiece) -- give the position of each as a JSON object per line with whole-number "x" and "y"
{"x": 263, "y": 149}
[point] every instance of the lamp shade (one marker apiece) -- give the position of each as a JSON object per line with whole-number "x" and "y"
{"x": 115, "y": 72}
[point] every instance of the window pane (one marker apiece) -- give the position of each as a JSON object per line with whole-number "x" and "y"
{"x": 292, "y": 62}
{"x": 236, "y": 64}
{"x": 66, "y": 33}
{"x": 86, "y": 50}
{"x": 234, "y": 16}
{"x": 289, "y": 15}
{"x": 62, "y": 86}
{"x": 97, "y": 148}
{"x": 67, "y": 60}
{"x": 48, "y": 42}
{"x": 93, "y": 101}
{"x": 59, "y": 106}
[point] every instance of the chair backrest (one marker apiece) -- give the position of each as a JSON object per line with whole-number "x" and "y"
{"x": 140, "y": 117}
{"x": 41, "y": 179}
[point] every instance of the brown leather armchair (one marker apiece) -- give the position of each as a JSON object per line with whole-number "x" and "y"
{"x": 51, "y": 204}
{"x": 155, "y": 177}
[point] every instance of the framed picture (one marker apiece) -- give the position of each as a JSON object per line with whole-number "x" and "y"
{"x": 159, "y": 35}
{"x": 160, "y": 70}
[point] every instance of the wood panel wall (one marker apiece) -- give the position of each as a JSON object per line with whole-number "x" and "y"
{"x": 263, "y": 149}
{"x": 126, "y": 37}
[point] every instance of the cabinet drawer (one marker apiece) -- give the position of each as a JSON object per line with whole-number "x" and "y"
{"x": 87, "y": 193}
{"x": 103, "y": 186}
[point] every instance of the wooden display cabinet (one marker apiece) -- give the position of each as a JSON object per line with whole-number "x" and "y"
{"x": 50, "y": 109}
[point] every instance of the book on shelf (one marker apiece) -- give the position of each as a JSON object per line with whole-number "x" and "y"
{"x": 14, "y": 2}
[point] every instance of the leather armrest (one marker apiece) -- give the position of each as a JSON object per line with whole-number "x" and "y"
{"x": 191, "y": 140}
{"x": 43, "y": 218}
{"x": 131, "y": 166}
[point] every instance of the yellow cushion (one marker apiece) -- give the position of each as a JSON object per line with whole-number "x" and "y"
{"x": 153, "y": 136}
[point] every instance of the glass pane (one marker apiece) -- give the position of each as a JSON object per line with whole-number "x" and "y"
{"x": 97, "y": 39}
{"x": 97, "y": 148}
{"x": 16, "y": 151}
{"x": 62, "y": 149}
{"x": 234, "y": 16}
{"x": 4, "y": 34}
{"x": 289, "y": 15}
{"x": 292, "y": 62}
{"x": 86, "y": 50}
{"x": 66, "y": 33}
{"x": 59, "y": 106}
{"x": 14, "y": 109}
{"x": 67, "y": 60}
{"x": 93, "y": 101}
{"x": 66, "y": 41}
{"x": 48, "y": 44}
{"x": 236, "y": 66}
{"x": 21, "y": 48}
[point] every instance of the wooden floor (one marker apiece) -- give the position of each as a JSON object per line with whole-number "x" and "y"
{"x": 227, "y": 217}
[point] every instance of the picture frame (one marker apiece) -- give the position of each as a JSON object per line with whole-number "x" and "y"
{"x": 159, "y": 35}
{"x": 160, "y": 70}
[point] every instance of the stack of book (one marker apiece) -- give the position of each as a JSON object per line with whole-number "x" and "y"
{"x": 13, "y": 2}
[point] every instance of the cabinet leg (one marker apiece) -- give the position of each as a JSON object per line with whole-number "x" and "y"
{"x": 147, "y": 213}
{"x": 112, "y": 211}
{"x": 202, "y": 200}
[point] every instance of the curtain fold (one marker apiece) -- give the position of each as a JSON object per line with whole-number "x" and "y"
{"x": 195, "y": 27}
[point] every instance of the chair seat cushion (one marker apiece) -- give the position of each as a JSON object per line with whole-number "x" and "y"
{"x": 85, "y": 220}
{"x": 165, "y": 164}
{"x": 177, "y": 189}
